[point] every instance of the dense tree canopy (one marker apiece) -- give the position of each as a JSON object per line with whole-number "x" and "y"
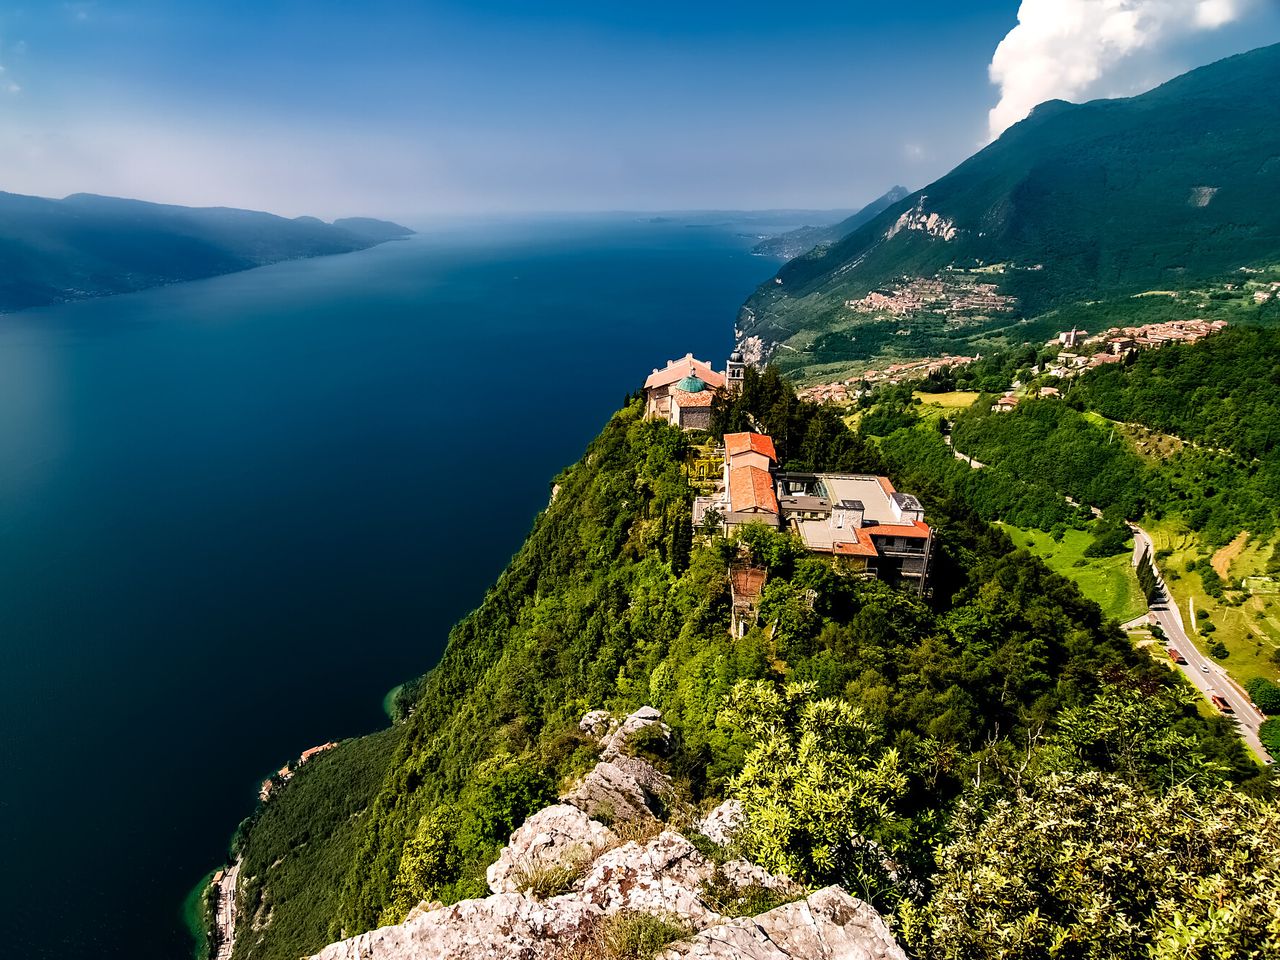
{"x": 856, "y": 719}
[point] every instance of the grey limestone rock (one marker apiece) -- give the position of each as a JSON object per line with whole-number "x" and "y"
{"x": 619, "y": 790}
{"x": 506, "y": 926}
{"x": 560, "y": 834}
{"x": 612, "y": 745}
{"x": 664, "y": 876}
{"x": 722, "y": 823}
{"x": 828, "y": 925}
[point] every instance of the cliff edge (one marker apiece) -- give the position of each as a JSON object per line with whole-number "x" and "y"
{"x": 610, "y": 872}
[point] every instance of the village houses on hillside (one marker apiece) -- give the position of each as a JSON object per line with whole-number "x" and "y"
{"x": 860, "y": 519}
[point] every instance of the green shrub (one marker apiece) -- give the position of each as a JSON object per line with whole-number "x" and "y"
{"x": 1212, "y": 582}
{"x": 1265, "y": 694}
{"x": 1218, "y": 651}
{"x": 639, "y": 936}
{"x": 1269, "y": 734}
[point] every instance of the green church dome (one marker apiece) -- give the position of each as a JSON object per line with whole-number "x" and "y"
{"x": 691, "y": 384}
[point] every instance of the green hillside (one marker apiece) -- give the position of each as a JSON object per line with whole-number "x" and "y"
{"x": 1164, "y": 191}
{"x": 613, "y": 603}
{"x": 89, "y": 246}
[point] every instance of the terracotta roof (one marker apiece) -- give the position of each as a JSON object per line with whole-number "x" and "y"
{"x": 747, "y": 582}
{"x": 856, "y": 547}
{"x": 751, "y": 488}
{"x": 917, "y": 530}
{"x": 700, "y": 399}
{"x": 686, "y": 366}
{"x": 886, "y": 486}
{"x": 736, "y": 443}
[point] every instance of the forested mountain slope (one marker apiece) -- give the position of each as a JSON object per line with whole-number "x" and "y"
{"x": 1112, "y": 197}
{"x": 612, "y": 603}
{"x": 90, "y": 246}
{"x": 796, "y": 242}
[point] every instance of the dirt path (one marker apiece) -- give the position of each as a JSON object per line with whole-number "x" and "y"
{"x": 1223, "y": 559}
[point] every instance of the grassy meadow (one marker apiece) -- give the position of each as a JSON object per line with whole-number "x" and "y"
{"x": 1108, "y": 581}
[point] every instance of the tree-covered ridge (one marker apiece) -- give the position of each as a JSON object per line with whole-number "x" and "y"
{"x": 1221, "y": 393}
{"x": 610, "y": 603}
{"x": 1046, "y": 450}
{"x": 1074, "y": 204}
{"x": 90, "y": 246}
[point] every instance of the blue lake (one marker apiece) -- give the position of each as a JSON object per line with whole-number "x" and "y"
{"x": 234, "y": 513}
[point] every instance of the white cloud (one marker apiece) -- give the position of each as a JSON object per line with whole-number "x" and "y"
{"x": 1062, "y": 49}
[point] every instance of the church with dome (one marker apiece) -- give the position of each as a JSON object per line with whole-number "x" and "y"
{"x": 682, "y": 391}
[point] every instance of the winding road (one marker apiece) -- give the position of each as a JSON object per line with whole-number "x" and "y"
{"x": 1209, "y": 678}
{"x": 1205, "y": 675}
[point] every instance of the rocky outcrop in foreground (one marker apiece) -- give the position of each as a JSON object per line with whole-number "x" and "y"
{"x": 567, "y": 886}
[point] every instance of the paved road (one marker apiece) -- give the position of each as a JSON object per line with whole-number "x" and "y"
{"x": 1204, "y": 674}
{"x": 960, "y": 456}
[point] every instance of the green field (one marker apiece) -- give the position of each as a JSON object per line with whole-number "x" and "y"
{"x": 1108, "y": 581}
{"x": 950, "y": 403}
{"x": 1248, "y": 626}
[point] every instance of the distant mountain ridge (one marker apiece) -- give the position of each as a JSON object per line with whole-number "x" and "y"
{"x": 793, "y": 243}
{"x": 1077, "y": 202}
{"x": 89, "y": 246}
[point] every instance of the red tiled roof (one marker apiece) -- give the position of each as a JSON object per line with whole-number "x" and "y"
{"x": 886, "y": 486}
{"x": 751, "y": 488}
{"x": 700, "y": 399}
{"x": 679, "y": 369}
{"x": 918, "y": 530}
{"x": 736, "y": 443}
{"x": 858, "y": 547}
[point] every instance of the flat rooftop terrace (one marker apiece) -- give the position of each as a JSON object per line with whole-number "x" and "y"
{"x": 876, "y": 505}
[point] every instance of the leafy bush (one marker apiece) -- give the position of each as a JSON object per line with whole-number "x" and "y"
{"x": 1110, "y": 537}
{"x": 1218, "y": 651}
{"x": 1269, "y": 734}
{"x": 818, "y": 787}
{"x": 1084, "y": 859}
{"x": 1212, "y": 582}
{"x": 1265, "y": 694}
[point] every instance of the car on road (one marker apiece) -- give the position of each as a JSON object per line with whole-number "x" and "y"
{"x": 1204, "y": 668}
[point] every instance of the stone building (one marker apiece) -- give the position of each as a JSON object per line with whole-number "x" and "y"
{"x": 682, "y": 391}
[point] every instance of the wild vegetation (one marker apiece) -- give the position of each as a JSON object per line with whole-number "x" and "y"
{"x": 1182, "y": 439}
{"x": 870, "y": 733}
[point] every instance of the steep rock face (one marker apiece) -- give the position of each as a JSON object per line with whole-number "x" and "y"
{"x": 563, "y": 848}
{"x": 621, "y": 787}
{"x": 828, "y": 925}
{"x": 558, "y": 835}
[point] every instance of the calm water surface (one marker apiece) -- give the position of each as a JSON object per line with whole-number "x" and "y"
{"x": 233, "y": 513}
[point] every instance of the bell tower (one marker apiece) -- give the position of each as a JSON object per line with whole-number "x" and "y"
{"x": 734, "y": 371}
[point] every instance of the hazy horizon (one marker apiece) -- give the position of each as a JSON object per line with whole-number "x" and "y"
{"x": 422, "y": 111}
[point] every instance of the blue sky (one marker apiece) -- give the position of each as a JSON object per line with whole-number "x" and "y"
{"x": 444, "y": 107}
